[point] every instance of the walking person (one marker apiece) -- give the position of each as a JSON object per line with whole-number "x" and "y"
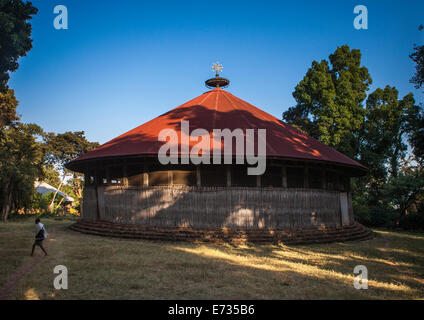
{"x": 40, "y": 235}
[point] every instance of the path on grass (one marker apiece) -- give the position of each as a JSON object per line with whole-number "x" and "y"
{"x": 12, "y": 281}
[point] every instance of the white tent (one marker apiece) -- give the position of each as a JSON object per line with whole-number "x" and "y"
{"x": 43, "y": 188}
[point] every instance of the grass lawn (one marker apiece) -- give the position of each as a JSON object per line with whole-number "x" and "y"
{"x": 107, "y": 268}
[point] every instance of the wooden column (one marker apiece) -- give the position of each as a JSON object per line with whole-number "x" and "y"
{"x": 198, "y": 177}
{"x": 228, "y": 170}
{"x": 284, "y": 174}
{"x": 96, "y": 177}
{"x": 306, "y": 177}
{"x": 125, "y": 176}
{"x": 324, "y": 180}
{"x": 170, "y": 177}
{"x": 107, "y": 175}
{"x": 145, "y": 176}
{"x": 337, "y": 187}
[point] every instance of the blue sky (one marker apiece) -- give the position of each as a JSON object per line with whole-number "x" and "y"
{"x": 122, "y": 63}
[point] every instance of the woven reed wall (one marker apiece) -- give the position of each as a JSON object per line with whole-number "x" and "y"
{"x": 212, "y": 207}
{"x": 89, "y": 209}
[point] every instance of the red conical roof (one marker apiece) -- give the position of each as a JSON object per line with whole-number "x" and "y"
{"x": 219, "y": 109}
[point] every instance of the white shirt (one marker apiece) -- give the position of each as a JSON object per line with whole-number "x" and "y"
{"x": 38, "y": 227}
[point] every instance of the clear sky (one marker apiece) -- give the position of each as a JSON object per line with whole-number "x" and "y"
{"x": 122, "y": 63}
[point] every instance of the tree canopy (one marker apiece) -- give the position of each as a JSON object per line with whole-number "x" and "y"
{"x": 8, "y": 104}
{"x": 329, "y": 100}
{"x": 64, "y": 147}
{"x": 15, "y": 35}
{"x": 417, "y": 138}
{"x": 388, "y": 122}
{"x": 21, "y": 161}
{"x": 26, "y": 152}
{"x": 377, "y": 129}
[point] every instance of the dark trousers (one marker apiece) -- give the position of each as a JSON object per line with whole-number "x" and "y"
{"x": 38, "y": 242}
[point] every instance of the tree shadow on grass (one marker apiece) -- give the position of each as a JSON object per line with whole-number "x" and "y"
{"x": 291, "y": 278}
{"x": 317, "y": 265}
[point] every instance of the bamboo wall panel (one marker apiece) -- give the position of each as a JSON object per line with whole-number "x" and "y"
{"x": 212, "y": 207}
{"x": 89, "y": 210}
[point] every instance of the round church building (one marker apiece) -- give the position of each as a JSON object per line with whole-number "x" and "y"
{"x": 217, "y": 168}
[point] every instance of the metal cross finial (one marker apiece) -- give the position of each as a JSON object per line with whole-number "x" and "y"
{"x": 217, "y": 67}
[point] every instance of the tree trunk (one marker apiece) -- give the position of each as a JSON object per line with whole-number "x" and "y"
{"x": 77, "y": 187}
{"x": 7, "y": 199}
{"x": 394, "y": 163}
{"x": 51, "y": 207}
{"x": 80, "y": 200}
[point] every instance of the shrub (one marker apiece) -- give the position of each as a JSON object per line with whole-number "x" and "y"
{"x": 412, "y": 221}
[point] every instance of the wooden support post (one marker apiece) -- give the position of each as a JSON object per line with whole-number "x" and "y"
{"x": 100, "y": 197}
{"x": 337, "y": 182}
{"x": 284, "y": 174}
{"x": 145, "y": 176}
{"x": 324, "y": 179}
{"x": 306, "y": 178}
{"x": 228, "y": 170}
{"x": 96, "y": 177}
{"x": 170, "y": 178}
{"x": 198, "y": 177}
{"x": 258, "y": 181}
{"x": 125, "y": 176}
{"x": 107, "y": 175}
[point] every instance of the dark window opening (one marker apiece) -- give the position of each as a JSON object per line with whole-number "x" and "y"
{"x": 240, "y": 178}
{"x": 345, "y": 183}
{"x": 332, "y": 180}
{"x": 315, "y": 178}
{"x": 295, "y": 177}
{"x": 101, "y": 177}
{"x": 116, "y": 174}
{"x": 213, "y": 176}
{"x": 272, "y": 177}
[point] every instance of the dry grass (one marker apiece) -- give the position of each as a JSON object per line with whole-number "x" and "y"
{"x": 105, "y": 268}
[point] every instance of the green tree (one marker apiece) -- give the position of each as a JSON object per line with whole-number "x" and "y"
{"x": 388, "y": 123}
{"x": 404, "y": 190}
{"x": 333, "y": 107}
{"x": 418, "y": 57}
{"x": 8, "y": 104}
{"x": 64, "y": 147}
{"x": 50, "y": 175}
{"x": 329, "y": 100}
{"x": 417, "y": 138}
{"x": 15, "y": 35}
{"x": 21, "y": 160}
